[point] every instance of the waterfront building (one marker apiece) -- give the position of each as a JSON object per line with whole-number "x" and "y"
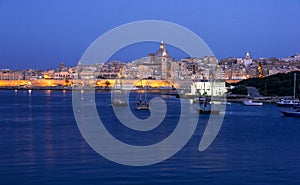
{"x": 208, "y": 88}
{"x": 62, "y": 75}
{"x": 33, "y": 74}
{"x": 87, "y": 72}
{"x": 108, "y": 70}
{"x": 7, "y": 74}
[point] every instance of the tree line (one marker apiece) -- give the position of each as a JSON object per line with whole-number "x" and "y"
{"x": 280, "y": 84}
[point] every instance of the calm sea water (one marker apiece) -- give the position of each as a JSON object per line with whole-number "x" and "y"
{"x": 40, "y": 143}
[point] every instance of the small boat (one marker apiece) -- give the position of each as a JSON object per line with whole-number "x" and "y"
{"x": 252, "y": 103}
{"x": 118, "y": 96}
{"x": 205, "y": 107}
{"x": 220, "y": 102}
{"x": 201, "y": 100}
{"x": 208, "y": 111}
{"x": 288, "y": 103}
{"x": 119, "y": 102}
{"x": 142, "y": 105}
{"x": 291, "y": 113}
{"x": 118, "y": 99}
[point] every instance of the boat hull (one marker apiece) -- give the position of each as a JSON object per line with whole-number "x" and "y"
{"x": 142, "y": 105}
{"x": 290, "y": 114}
{"x": 279, "y": 104}
{"x": 200, "y": 111}
{"x": 142, "y": 108}
{"x": 119, "y": 103}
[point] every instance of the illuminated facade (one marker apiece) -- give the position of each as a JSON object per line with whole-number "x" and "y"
{"x": 208, "y": 88}
{"x": 156, "y": 66}
{"x": 247, "y": 60}
{"x": 11, "y": 75}
{"x": 162, "y": 57}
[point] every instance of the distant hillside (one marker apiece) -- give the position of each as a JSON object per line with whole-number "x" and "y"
{"x": 276, "y": 85}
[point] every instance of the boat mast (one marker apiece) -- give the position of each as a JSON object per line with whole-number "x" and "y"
{"x": 295, "y": 86}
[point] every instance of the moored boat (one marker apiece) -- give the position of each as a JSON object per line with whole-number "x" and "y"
{"x": 291, "y": 113}
{"x": 118, "y": 96}
{"x": 288, "y": 103}
{"x": 119, "y": 102}
{"x": 252, "y": 103}
{"x": 208, "y": 111}
{"x": 142, "y": 105}
{"x": 205, "y": 107}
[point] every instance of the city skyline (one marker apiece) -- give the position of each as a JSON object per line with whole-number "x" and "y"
{"x": 160, "y": 65}
{"x": 114, "y": 59}
{"x": 40, "y": 35}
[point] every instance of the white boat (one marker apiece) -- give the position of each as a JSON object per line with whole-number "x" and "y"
{"x": 119, "y": 102}
{"x": 225, "y": 103}
{"x": 295, "y": 112}
{"x": 288, "y": 103}
{"x": 220, "y": 102}
{"x": 118, "y": 95}
{"x": 252, "y": 103}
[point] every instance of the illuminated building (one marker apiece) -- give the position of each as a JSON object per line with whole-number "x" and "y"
{"x": 247, "y": 60}
{"x": 7, "y": 74}
{"x": 162, "y": 57}
{"x": 155, "y": 66}
{"x": 208, "y": 88}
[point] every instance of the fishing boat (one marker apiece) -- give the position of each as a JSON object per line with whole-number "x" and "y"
{"x": 291, "y": 113}
{"x": 252, "y": 103}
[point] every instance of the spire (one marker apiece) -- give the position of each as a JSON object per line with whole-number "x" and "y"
{"x": 162, "y": 45}
{"x": 162, "y": 52}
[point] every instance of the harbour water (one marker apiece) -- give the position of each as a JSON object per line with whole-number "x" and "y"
{"x": 40, "y": 143}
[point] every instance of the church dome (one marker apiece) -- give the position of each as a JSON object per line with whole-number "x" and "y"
{"x": 247, "y": 55}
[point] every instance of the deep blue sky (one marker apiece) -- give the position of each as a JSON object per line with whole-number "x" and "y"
{"x": 41, "y": 34}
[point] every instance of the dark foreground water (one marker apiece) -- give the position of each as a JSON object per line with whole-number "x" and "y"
{"x": 40, "y": 143}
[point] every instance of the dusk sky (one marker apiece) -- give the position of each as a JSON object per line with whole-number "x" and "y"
{"x": 41, "y": 34}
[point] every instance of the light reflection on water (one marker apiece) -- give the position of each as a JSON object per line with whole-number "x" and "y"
{"x": 40, "y": 143}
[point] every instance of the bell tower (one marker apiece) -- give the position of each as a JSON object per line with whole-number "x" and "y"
{"x": 162, "y": 57}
